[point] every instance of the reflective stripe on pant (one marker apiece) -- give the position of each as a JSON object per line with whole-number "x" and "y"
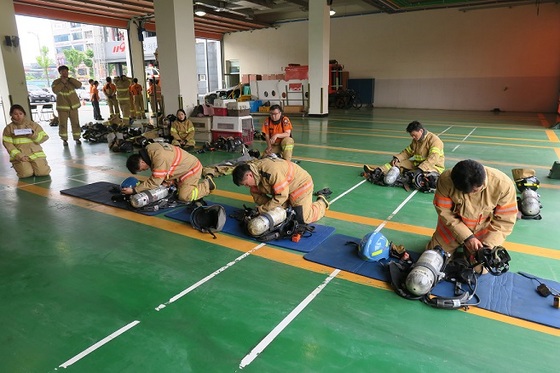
{"x": 190, "y": 189}
{"x": 63, "y": 117}
{"x": 284, "y": 148}
{"x": 311, "y": 211}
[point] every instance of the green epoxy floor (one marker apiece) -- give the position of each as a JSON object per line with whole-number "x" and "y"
{"x": 73, "y": 272}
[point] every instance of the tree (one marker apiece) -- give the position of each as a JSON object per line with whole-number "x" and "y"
{"x": 44, "y": 61}
{"x": 73, "y": 59}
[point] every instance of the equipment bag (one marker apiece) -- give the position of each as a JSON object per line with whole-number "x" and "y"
{"x": 555, "y": 171}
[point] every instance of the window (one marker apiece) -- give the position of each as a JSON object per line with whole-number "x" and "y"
{"x": 77, "y": 36}
{"x": 61, "y": 38}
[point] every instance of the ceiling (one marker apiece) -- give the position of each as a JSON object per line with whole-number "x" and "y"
{"x": 236, "y": 15}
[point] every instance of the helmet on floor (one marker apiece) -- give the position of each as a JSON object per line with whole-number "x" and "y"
{"x": 208, "y": 218}
{"x": 374, "y": 247}
{"x": 130, "y": 182}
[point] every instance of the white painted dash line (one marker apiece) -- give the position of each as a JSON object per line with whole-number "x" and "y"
{"x": 95, "y": 346}
{"x": 464, "y": 138}
{"x": 348, "y": 191}
{"x": 396, "y": 211}
{"x": 248, "y": 359}
{"x": 207, "y": 278}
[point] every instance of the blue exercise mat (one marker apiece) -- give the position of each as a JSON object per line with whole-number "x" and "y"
{"x": 307, "y": 243}
{"x": 101, "y": 192}
{"x": 510, "y": 294}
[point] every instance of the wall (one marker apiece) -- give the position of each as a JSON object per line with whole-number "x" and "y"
{"x": 441, "y": 59}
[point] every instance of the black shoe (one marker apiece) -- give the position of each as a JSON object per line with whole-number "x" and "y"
{"x": 211, "y": 183}
{"x": 78, "y": 142}
{"x": 64, "y": 143}
{"x": 323, "y": 192}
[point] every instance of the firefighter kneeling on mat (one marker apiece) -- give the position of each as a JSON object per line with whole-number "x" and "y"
{"x": 476, "y": 208}
{"x": 170, "y": 165}
{"x": 280, "y": 183}
{"x": 418, "y": 166}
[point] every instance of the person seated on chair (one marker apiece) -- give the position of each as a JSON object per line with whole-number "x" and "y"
{"x": 476, "y": 208}
{"x": 277, "y": 182}
{"x": 170, "y": 165}
{"x": 277, "y": 130}
{"x": 22, "y": 138}
{"x": 182, "y": 130}
{"x": 425, "y": 154}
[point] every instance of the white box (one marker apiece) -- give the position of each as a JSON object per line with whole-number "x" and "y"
{"x": 222, "y": 103}
{"x": 231, "y": 124}
{"x": 203, "y": 136}
{"x": 201, "y": 123}
{"x": 243, "y": 105}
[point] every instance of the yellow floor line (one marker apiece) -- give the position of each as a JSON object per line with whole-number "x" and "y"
{"x": 267, "y": 252}
{"x": 552, "y": 136}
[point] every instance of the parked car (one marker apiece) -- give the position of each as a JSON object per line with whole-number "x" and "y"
{"x": 51, "y": 94}
{"x": 38, "y": 95}
{"x": 83, "y": 93}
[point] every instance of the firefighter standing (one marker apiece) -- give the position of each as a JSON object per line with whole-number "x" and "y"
{"x": 170, "y": 165}
{"x": 123, "y": 96}
{"x": 67, "y": 105}
{"x": 137, "y": 100}
{"x": 22, "y": 139}
{"x": 110, "y": 91}
{"x": 277, "y": 182}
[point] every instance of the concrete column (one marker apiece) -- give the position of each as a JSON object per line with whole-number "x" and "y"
{"x": 13, "y": 87}
{"x": 135, "y": 59}
{"x": 319, "y": 48}
{"x": 177, "y": 53}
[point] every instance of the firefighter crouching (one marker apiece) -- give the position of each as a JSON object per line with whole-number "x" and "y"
{"x": 277, "y": 182}
{"x": 170, "y": 165}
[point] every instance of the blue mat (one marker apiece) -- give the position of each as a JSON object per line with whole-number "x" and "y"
{"x": 233, "y": 227}
{"x": 509, "y": 294}
{"x": 101, "y": 192}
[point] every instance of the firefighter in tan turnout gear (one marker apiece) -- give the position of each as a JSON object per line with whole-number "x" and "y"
{"x": 277, "y": 182}
{"x": 476, "y": 207}
{"x": 67, "y": 105}
{"x": 22, "y": 139}
{"x": 424, "y": 154}
{"x": 170, "y": 165}
{"x": 123, "y": 84}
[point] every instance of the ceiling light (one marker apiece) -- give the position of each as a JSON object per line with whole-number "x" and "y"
{"x": 199, "y": 12}
{"x": 332, "y": 12}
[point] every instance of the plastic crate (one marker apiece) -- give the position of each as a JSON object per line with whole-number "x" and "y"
{"x": 203, "y": 136}
{"x": 238, "y": 113}
{"x": 246, "y": 130}
{"x": 201, "y": 123}
{"x": 254, "y": 106}
{"x": 220, "y": 111}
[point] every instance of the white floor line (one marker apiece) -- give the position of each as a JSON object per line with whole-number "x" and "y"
{"x": 464, "y": 138}
{"x": 445, "y": 130}
{"x": 248, "y": 359}
{"x": 210, "y": 276}
{"x": 95, "y": 346}
{"x": 348, "y": 191}
{"x": 396, "y": 211}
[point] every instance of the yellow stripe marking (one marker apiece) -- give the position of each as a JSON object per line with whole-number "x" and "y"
{"x": 266, "y": 252}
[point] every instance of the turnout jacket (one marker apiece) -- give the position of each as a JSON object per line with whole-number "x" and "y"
{"x": 167, "y": 162}
{"x": 19, "y": 146}
{"x": 183, "y": 131}
{"x": 489, "y": 214}
{"x": 66, "y": 97}
{"x": 279, "y": 183}
{"x": 426, "y": 153}
{"x": 123, "y": 86}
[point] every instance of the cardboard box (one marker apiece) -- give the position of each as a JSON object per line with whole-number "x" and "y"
{"x": 264, "y": 109}
{"x": 293, "y": 108}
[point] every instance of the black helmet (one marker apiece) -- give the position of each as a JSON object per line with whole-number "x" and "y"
{"x": 209, "y": 219}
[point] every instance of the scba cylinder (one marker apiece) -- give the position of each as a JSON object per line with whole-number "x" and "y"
{"x": 392, "y": 175}
{"x": 530, "y": 204}
{"x": 149, "y": 196}
{"x": 266, "y": 221}
{"x": 425, "y": 272}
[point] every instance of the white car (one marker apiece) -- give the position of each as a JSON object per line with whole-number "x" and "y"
{"x": 83, "y": 93}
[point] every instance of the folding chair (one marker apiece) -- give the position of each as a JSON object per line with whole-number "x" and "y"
{"x": 46, "y": 110}
{"x": 34, "y": 112}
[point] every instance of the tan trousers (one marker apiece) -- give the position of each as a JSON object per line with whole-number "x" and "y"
{"x": 38, "y": 167}
{"x": 139, "y": 107}
{"x": 113, "y": 106}
{"x": 191, "y": 189}
{"x": 285, "y": 148}
{"x": 63, "y": 117}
